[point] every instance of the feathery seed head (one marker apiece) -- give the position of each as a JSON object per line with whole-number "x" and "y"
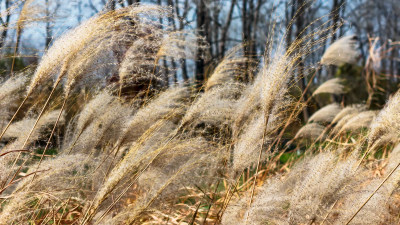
{"x": 342, "y": 51}
{"x": 359, "y": 121}
{"x": 326, "y": 114}
{"x": 310, "y": 131}
{"x": 332, "y": 86}
{"x": 232, "y": 67}
{"x": 386, "y": 124}
{"x": 348, "y": 110}
{"x": 101, "y": 30}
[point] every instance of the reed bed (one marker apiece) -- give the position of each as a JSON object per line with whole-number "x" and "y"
{"x": 96, "y": 136}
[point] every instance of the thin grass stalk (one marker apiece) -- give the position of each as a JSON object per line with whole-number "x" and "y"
{"x": 20, "y": 24}
{"x": 366, "y": 153}
{"x": 323, "y": 133}
{"x": 215, "y": 191}
{"x": 51, "y": 134}
{"x": 297, "y": 105}
{"x": 106, "y": 157}
{"x": 247, "y": 183}
{"x": 115, "y": 202}
{"x": 169, "y": 182}
{"x": 62, "y": 214}
{"x": 212, "y": 202}
{"x": 36, "y": 206}
{"x": 33, "y": 128}
{"x": 225, "y": 198}
{"x": 208, "y": 211}
{"x": 74, "y": 143}
{"x": 137, "y": 175}
{"x": 13, "y": 117}
{"x": 151, "y": 78}
{"x": 12, "y": 151}
{"x": 329, "y": 212}
{"x": 90, "y": 212}
{"x": 106, "y": 194}
{"x": 258, "y": 164}
{"x": 15, "y": 50}
{"x": 62, "y": 73}
{"x": 109, "y": 167}
{"x": 44, "y": 219}
{"x": 120, "y": 90}
{"x": 373, "y": 193}
{"x": 333, "y": 138}
{"x": 316, "y": 140}
{"x": 195, "y": 214}
{"x": 166, "y": 222}
{"x": 15, "y": 181}
{"x": 279, "y": 138}
{"x": 287, "y": 145}
{"x": 224, "y": 206}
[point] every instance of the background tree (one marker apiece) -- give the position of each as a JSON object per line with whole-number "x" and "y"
{"x": 225, "y": 24}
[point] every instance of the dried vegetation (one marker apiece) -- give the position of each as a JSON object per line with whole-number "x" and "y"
{"x": 123, "y": 149}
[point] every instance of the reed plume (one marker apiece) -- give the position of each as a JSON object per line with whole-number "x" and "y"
{"x": 125, "y": 145}
{"x": 310, "y": 130}
{"x": 333, "y": 86}
{"x": 147, "y": 147}
{"x": 322, "y": 189}
{"x": 361, "y": 120}
{"x": 386, "y": 125}
{"x": 162, "y": 181}
{"x": 53, "y": 184}
{"x": 230, "y": 70}
{"x": 326, "y": 114}
{"x": 9, "y": 96}
{"x": 352, "y": 109}
{"x": 342, "y": 51}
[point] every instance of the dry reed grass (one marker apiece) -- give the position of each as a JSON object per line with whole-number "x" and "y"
{"x": 341, "y": 51}
{"x": 171, "y": 156}
{"x": 332, "y": 86}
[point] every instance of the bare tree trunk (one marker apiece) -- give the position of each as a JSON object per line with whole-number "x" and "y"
{"x": 335, "y": 11}
{"x": 394, "y": 54}
{"x": 4, "y": 25}
{"x": 335, "y": 15}
{"x": 165, "y": 69}
{"x": 290, "y": 12}
{"x": 225, "y": 29}
{"x": 201, "y": 19}
{"x": 256, "y": 16}
{"x": 215, "y": 30}
{"x": 343, "y": 13}
{"x": 185, "y": 75}
{"x": 300, "y": 25}
{"x": 110, "y": 6}
{"x": 246, "y": 32}
{"x": 48, "y": 28}
{"x": 171, "y": 22}
{"x": 131, "y": 2}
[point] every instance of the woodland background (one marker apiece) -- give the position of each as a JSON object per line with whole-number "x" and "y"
{"x": 225, "y": 24}
{"x": 199, "y": 112}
